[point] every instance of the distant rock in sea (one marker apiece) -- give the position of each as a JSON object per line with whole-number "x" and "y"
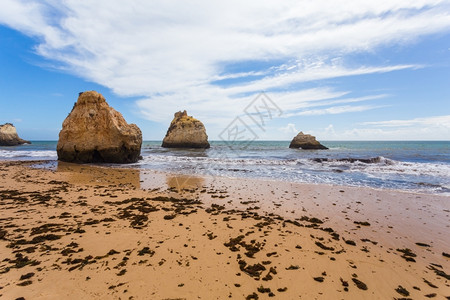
{"x": 185, "y": 132}
{"x": 96, "y": 132}
{"x": 306, "y": 142}
{"x": 9, "y": 137}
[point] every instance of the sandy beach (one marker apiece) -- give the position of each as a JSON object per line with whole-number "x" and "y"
{"x": 82, "y": 232}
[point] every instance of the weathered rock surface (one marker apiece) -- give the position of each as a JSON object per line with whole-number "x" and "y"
{"x": 9, "y": 137}
{"x": 185, "y": 132}
{"x": 306, "y": 141}
{"x": 96, "y": 132}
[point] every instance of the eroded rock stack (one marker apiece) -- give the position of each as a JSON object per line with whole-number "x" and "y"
{"x": 96, "y": 132}
{"x": 9, "y": 136}
{"x": 185, "y": 132}
{"x": 306, "y": 142}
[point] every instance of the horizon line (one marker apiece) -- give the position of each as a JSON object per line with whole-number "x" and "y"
{"x": 392, "y": 140}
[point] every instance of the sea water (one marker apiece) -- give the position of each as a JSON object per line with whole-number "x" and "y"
{"x": 411, "y": 165}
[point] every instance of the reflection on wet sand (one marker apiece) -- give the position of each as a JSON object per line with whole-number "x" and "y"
{"x": 163, "y": 181}
{"x": 184, "y": 182}
{"x": 93, "y": 175}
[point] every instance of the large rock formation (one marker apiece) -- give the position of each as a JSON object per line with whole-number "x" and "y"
{"x": 9, "y": 137}
{"x": 95, "y": 132}
{"x": 306, "y": 141}
{"x": 185, "y": 132}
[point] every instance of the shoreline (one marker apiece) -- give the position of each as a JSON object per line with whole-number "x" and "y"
{"x": 245, "y": 220}
{"x": 267, "y": 179}
{"x": 421, "y": 167}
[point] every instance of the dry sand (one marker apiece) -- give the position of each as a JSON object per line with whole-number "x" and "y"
{"x": 81, "y": 232}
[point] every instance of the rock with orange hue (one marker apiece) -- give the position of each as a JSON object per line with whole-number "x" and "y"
{"x": 9, "y": 137}
{"x": 95, "y": 132}
{"x": 185, "y": 132}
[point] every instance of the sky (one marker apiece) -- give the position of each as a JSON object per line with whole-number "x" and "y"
{"x": 340, "y": 70}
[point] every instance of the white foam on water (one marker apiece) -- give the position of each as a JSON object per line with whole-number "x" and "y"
{"x": 375, "y": 172}
{"x": 384, "y": 165}
{"x": 379, "y": 165}
{"x": 27, "y": 154}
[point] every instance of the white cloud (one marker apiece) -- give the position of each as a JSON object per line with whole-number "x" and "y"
{"x": 330, "y": 130}
{"x": 290, "y": 128}
{"x": 170, "y": 53}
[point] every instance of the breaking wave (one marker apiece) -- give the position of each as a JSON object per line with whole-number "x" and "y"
{"x": 375, "y": 165}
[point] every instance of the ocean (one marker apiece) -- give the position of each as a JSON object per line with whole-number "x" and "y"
{"x": 409, "y": 166}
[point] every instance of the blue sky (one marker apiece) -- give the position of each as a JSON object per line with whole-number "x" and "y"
{"x": 341, "y": 70}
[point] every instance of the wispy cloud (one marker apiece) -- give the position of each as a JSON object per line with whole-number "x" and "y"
{"x": 337, "y": 110}
{"x": 419, "y": 133}
{"x": 438, "y": 121}
{"x": 300, "y": 106}
{"x": 173, "y": 53}
{"x": 429, "y": 128}
{"x": 309, "y": 73}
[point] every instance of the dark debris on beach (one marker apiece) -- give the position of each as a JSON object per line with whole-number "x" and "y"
{"x": 252, "y": 251}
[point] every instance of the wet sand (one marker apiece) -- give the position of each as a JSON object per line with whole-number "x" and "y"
{"x": 82, "y": 232}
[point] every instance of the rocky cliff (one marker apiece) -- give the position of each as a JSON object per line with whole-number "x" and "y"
{"x": 185, "y": 132}
{"x": 95, "y": 132}
{"x": 306, "y": 142}
{"x": 9, "y": 137}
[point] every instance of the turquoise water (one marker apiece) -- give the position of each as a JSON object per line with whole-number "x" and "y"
{"x": 412, "y": 165}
